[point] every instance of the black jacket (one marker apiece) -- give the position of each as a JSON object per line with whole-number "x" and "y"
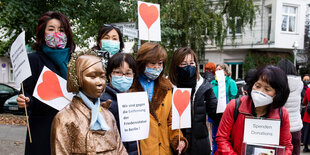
{"x": 110, "y": 93}
{"x": 209, "y": 76}
{"x": 204, "y": 103}
{"x": 40, "y": 114}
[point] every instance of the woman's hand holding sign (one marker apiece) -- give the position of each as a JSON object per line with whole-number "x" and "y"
{"x": 22, "y": 101}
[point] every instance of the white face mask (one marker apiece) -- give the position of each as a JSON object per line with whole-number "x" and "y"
{"x": 260, "y": 99}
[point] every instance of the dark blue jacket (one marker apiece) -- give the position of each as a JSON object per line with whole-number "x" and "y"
{"x": 110, "y": 93}
{"x": 40, "y": 114}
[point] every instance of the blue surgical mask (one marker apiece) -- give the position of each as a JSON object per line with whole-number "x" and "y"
{"x": 152, "y": 73}
{"x": 122, "y": 83}
{"x": 111, "y": 46}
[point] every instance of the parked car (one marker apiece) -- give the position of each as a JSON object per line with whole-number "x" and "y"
{"x": 6, "y": 92}
{"x": 10, "y": 106}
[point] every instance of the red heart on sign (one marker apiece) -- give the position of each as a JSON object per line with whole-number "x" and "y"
{"x": 149, "y": 14}
{"x": 49, "y": 89}
{"x": 181, "y": 100}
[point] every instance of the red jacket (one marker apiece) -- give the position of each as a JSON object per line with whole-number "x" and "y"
{"x": 229, "y": 136}
{"x": 305, "y": 102}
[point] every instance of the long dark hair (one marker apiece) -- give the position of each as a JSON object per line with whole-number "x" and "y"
{"x": 177, "y": 58}
{"x": 40, "y": 29}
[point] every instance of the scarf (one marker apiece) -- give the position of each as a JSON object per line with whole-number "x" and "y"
{"x": 97, "y": 120}
{"x": 186, "y": 82}
{"x": 60, "y": 57}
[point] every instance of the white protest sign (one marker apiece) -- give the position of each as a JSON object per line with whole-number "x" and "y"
{"x": 134, "y": 115}
{"x": 149, "y": 21}
{"x": 19, "y": 59}
{"x": 261, "y": 131}
{"x": 51, "y": 89}
{"x": 181, "y": 108}
{"x": 221, "y": 100}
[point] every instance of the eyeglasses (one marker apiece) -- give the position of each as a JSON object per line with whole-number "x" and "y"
{"x": 128, "y": 74}
{"x": 109, "y": 25}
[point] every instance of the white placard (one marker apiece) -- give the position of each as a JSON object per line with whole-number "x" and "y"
{"x": 51, "y": 89}
{"x": 149, "y": 21}
{"x": 221, "y": 100}
{"x": 134, "y": 115}
{"x": 19, "y": 59}
{"x": 261, "y": 131}
{"x": 181, "y": 103}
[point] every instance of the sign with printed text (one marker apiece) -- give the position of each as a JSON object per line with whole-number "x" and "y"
{"x": 263, "y": 131}
{"x": 221, "y": 100}
{"x": 181, "y": 109}
{"x": 19, "y": 59}
{"x": 134, "y": 116}
{"x": 149, "y": 21}
{"x": 51, "y": 89}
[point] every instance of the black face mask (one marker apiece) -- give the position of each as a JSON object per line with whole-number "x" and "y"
{"x": 186, "y": 76}
{"x": 306, "y": 82}
{"x": 186, "y": 72}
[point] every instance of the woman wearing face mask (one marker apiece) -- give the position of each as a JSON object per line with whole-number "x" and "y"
{"x": 151, "y": 60}
{"x": 121, "y": 70}
{"x": 54, "y": 45}
{"x": 109, "y": 42}
{"x": 231, "y": 93}
{"x": 267, "y": 93}
{"x": 184, "y": 73}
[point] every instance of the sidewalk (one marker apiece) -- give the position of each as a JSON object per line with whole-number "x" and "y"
{"x": 12, "y": 139}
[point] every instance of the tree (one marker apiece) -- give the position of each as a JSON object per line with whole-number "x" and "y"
{"x": 183, "y": 22}
{"x": 86, "y": 17}
{"x": 193, "y": 22}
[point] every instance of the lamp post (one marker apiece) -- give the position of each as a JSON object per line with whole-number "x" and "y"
{"x": 295, "y": 46}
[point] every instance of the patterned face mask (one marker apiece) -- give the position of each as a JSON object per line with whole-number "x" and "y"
{"x": 56, "y": 40}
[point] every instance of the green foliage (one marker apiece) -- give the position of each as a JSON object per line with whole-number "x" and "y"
{"x": 193, "y": 22}
{"x": 183, "y": 22}
{"x": 260, "y": 59}
{"x": 85, "y": 16}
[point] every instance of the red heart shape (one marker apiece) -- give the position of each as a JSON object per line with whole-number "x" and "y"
{"x": 149, "y": 14}
{"x": 49, "y": 89}
{"x": 181, "y": 100}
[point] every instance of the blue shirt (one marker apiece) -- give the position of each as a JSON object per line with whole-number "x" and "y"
{"x": 147, "y": 84}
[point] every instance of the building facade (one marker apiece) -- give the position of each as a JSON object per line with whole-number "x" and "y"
{"x": 279, "y": 24}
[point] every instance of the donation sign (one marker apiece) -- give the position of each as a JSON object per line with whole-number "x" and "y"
{"x": 262, "y": 131}
{"x": 134, "y": 115}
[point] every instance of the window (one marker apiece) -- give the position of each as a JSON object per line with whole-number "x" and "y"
{"x": 269, "y": 22}
{"x": 11, "y": 74}
{"x": 289, "y": 14}
{"x": 236, "y": 70}
{"x": 238, "y": 27}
